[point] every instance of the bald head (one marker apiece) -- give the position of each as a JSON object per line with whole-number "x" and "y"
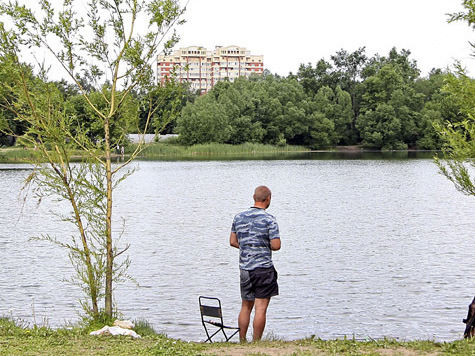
{"x": 261, "y": 194}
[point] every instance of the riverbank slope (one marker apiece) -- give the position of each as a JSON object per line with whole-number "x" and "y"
{"x": 58, "y": 343}
{"x": 15, "y": 340}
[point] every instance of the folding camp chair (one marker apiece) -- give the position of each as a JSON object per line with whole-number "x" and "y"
{"x": 211, "y": 308}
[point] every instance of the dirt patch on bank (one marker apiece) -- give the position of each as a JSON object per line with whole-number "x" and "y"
{"x": 404, "y": 352}
{"x": 265, "y": 350}
{"x": 307, "y": 350}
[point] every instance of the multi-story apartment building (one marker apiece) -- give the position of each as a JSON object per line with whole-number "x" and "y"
{"x": 203, "y": 68}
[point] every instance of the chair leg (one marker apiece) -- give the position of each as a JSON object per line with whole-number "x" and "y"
{"x": 234, "y": 333}
{"x": 225, "y": 336}
{"x": 207, "y": 334}
{"x": 210, "y": 337}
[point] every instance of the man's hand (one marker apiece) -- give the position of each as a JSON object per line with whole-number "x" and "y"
{"x": 233, "y": 240}
{"x": 275, "y": 244}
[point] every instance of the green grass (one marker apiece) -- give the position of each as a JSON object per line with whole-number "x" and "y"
{"x": 27, "y": 155}
{"x": 168, "y": 150}
{"x": 158, "y": 150}
{"x": 144, "y": 328}
{"x": 17, "y": 155}
{"x": 16, "y": 338}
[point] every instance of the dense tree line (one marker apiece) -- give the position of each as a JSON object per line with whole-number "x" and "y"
{"x": 380, "y": 102}
{"x": 163, "y": 103}
{"x": 269, "y": 110}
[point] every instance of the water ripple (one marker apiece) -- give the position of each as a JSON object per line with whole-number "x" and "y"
{"x": 370, "y": 248}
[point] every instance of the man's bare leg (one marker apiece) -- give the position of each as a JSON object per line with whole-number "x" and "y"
{"x": 244, "y": 318}
{"x": 260, "y": 317}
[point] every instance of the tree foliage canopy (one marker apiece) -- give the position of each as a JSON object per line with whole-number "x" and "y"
{"x": 458, "y": 159}
{"x": 380, "y": 102}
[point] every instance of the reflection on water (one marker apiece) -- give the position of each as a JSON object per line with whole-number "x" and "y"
{"x": 315, "y": 155}
{"x": 370, "y": 247}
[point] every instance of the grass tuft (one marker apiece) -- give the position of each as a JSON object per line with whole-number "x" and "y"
{"x": 10, "y": 327}
{"x": 144, "y": 328}
{"x": 96, "y": 322}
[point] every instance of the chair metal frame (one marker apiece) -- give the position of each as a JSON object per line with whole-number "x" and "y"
{"x": 214, "y": 311}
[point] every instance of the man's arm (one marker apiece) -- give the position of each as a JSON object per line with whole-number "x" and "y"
{"x": 275, "y": 244}
{"x": 274, "y": 235}
{"x": 233, "y": 240}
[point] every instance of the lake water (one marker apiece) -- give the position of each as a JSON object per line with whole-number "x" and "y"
{"x": 370, "y": 247}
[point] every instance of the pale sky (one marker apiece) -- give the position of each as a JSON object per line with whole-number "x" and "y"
{"x": 289, "y": 33}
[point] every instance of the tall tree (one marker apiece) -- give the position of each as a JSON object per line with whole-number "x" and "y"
{"x": 204, "y": 121}
{"x": 115, "y": 53}
{"x": 166, "y": 103}
{"x": 378, "y": 124}
{"x": 348, "y": 70}
{"x": 458, "y": 159}
{"x": 344, "y": 117}
{"x": 458, "y": 150}
{"x": 390, "y": 106}
{"x": 312, "y": 79}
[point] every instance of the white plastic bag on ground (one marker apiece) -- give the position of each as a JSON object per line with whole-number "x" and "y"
{"x": 115, "y": 330}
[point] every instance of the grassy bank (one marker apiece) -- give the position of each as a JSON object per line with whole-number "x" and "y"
{"x": 170, "y": 150}
{"x": 19, "y": 340}
{"x": 17, "y": 155}
{"x": 158, "y": 150}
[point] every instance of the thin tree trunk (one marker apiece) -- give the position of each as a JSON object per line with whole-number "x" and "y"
{"x": 87, "y": 253}
{"x": 110, "y": 256}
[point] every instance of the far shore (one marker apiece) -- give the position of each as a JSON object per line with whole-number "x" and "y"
{"x": 165, "y": 151}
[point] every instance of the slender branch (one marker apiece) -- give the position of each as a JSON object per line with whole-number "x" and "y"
{"x": 121, "y": 19}
{"x": 89, "y": 151}
{"x": 121, "y": 252}
{"x": 70, "y": 73}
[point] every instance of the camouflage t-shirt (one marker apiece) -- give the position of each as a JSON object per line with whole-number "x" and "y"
{"x": 254, "y": 229}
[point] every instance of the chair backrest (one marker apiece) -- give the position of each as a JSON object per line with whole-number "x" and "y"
{"x": 210, "y": 307}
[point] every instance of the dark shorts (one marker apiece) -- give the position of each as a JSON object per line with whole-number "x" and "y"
{"x": 259, "y": 283}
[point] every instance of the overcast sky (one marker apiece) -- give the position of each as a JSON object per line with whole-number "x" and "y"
{"x": 292, "y": 32}
{"x": 289, "y": 33}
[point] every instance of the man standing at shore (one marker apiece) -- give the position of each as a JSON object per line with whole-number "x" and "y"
{"x": 256, "y": 234}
